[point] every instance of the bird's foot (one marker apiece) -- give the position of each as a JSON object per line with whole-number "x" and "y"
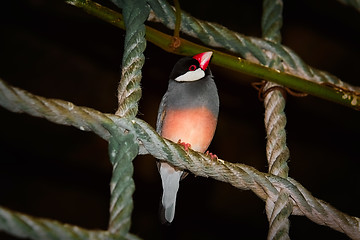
{"x": 211, "y": 155}
{"x": 185, "y": 145}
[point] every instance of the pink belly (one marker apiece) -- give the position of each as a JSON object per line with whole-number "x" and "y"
{"x": 195, "y": 126}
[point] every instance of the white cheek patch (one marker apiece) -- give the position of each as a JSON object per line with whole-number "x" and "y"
{"x": 191, "y": 76}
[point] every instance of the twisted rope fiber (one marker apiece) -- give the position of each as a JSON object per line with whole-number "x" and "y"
{"x": 266, "y": 186}
{"x": 55, "y": 110}
{"x": 123, "y": 148}
{"x": 129, "y": 91}
{"x": 251, "y": 48}
{"x": 65, "y": 113}
{"x": 122, "y": 151}
{"x": 257, "y": 182}
{"x": 25, "y": 226}
{"x": 22, "y": 225}
{"x": 275, "y": 120}
{"x": 239, "y": 175}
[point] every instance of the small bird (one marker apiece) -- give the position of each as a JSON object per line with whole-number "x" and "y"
{"x": 188, "y": 115}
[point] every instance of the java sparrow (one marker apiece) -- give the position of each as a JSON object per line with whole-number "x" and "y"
{"x": 188, "y": 115}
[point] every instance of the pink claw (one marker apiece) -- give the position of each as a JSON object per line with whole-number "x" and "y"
{"x": 185, "y": 145}
{"x": 212, "y": 156}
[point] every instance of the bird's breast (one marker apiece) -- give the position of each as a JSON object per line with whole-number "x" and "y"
{"x": 194, "y": 125}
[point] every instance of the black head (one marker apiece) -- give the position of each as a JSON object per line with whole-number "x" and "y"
{"x": 189, "y": 69}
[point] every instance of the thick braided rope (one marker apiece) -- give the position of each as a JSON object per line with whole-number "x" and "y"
{"x": 275, "y": 120}
{"x": 135, "y": 13}
{"x": 239, "y": 175}
{"x": 266, "y": 186}
{"x": 123, "y": 148}
{"x": 277, "y": 155}
{"x": 86, "y": 119}
{"x": 22, "y": 225}
{"x": 251, "y": 48}
{"x": 55, "y": 110}
{"x": 271, "y": 21}
{"x": 25, "y": 226}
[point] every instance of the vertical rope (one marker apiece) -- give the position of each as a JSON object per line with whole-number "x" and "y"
{"x": 275, "y": 120}
{"x": 129, "y": 91}
{"x": 123, "y": 147}
{"x": 122, "y": 150}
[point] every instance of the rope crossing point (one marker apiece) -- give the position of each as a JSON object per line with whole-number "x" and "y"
{"x": 250, "y": 48}
{"x": 275, "y": 120}
{"x": 129, "y": 136}
{"x": 264, "y": 185}
{"x": 123, "y": 147}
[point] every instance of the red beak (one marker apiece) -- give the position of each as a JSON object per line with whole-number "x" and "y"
{"x": 203, "y": 59}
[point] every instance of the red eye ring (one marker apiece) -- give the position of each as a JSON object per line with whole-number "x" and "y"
{"x": 192, "y": 68}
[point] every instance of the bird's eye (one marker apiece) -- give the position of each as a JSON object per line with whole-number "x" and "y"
{"x": 192, "y": 68}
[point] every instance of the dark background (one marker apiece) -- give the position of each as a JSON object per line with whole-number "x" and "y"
{"x": 57, "y": 51}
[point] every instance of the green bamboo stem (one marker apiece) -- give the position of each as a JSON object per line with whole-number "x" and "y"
{"x": 162, "y": 40}
{"x": 178, "y": 18}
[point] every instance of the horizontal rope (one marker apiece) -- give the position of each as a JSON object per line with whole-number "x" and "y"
{"x": 326, "y": 91}
{"x": 58, "y": 111}
{"x": 239, "y": 175}
{"x": 277, "y": 152}
{"x": 266, "y": 186}
{"x": 25, "y": 226}
{"x": 123, "y": 147}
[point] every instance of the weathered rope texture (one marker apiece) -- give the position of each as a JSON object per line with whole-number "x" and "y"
{"x": 25, "y": 226}
{"x": 275, "y": 120}
{"x": 251, "y": 48}
{"x": 129, "y": 91}
{"x": 277, "y": 155}
{"x": 123, "y": 148}
{"x": 264, "y": 185}
{"x": 54, "y": 110}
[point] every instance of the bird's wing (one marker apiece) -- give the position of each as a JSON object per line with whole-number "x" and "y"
{"x": 161, "y": 114}
{"x": 169, "y": 176}
{"x": 160, "y": 120}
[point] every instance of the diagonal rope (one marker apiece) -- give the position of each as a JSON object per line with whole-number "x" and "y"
{"x": 55, "y": 110}
{"x": 251, "y": 48}
{"x": 283, "y": 195}
{"x": 277, "y": 152}
{"x": 22, "y": 225}
{"x": 264, "y": 185}
{"x": 25, "y": 226}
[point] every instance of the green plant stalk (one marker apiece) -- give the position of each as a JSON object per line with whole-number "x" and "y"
{"x": 178, "y": 18}
{"x": 187, "y": 48}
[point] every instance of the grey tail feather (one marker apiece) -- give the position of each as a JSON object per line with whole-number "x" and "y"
{"x": 168, "y": 201}
{"x": 170, "y": 181}
{"x": 162, "y": 215}
{"x": 167, "y": 214}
